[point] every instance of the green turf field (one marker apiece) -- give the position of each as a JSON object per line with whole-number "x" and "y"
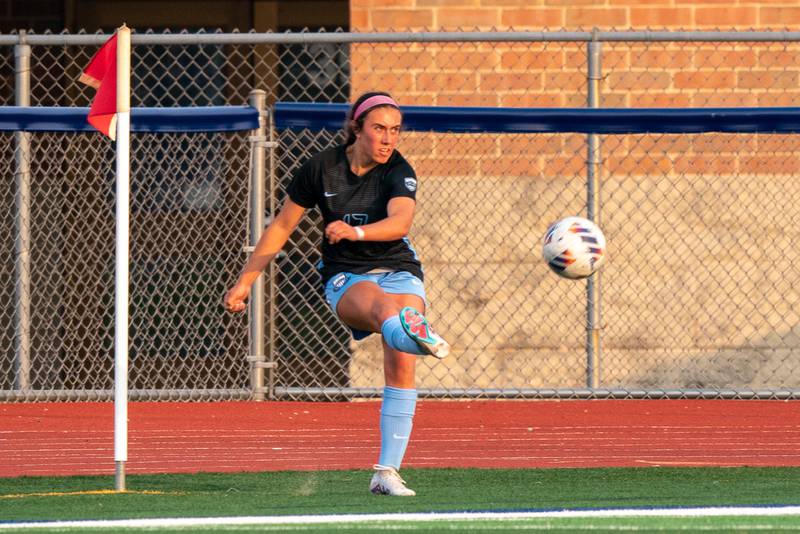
{"x": 438, "y": 490}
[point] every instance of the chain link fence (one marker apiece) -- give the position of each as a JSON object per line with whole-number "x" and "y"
{"x": 697, "y": 295}
{"x": 187, "y": 201}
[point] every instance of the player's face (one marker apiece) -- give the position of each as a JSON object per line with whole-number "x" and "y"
{"x": 380, "y": 134}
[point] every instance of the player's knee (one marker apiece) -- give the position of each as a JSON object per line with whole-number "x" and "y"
{"x": 383, "y": 309}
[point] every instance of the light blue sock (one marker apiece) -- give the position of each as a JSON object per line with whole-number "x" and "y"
{"x": 396, "y": 337}
{"x": 397, "y": 414}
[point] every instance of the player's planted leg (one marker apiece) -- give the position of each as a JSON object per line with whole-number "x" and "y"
{"x": 397, "y": 414}
{"x": 387, "y": 481}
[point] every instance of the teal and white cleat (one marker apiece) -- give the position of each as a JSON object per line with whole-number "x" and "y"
{"x": 418, "y": 329}
{"x": 387, "y": 481}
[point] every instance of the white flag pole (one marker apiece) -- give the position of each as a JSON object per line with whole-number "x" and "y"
{"x": 122, "y": 246}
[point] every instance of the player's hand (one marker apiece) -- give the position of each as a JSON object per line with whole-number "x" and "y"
{"x": 235, "y": 298}
{"x": 338, "y": 230}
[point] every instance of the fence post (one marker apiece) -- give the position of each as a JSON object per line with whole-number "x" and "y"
{"x": 273, "y": 269}
{"x": 257, "y": 99}
{"x": 593, "y": 317}
{"x": 22, "y": 175}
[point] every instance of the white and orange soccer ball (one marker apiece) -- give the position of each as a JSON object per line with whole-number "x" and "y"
{"x": 574, "y": 247}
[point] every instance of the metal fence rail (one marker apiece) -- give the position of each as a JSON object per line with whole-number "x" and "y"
{"x": 697, "y": 298}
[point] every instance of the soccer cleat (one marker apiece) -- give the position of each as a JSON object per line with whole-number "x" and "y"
{"x": 418, "y": 329}
{"x": 387, "y": 481}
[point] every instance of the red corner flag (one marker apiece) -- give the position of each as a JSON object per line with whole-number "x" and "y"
{"x": 101, "y": 73}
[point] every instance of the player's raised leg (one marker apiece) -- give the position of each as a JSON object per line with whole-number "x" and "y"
{"x": 417, "y": 327}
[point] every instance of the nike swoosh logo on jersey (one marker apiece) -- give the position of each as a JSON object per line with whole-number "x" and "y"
{"x": 330, "y": 194}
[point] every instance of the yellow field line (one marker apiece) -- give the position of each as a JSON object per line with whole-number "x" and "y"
{"x": 87, "y": 492}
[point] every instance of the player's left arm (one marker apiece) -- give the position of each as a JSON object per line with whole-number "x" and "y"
{"x": 396, "y": 225}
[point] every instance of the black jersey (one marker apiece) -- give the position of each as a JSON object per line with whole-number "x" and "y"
{"x": 327, "y": 182}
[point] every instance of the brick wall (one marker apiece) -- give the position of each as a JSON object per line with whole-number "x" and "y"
{"x": 545, "y": 75}
{"x": 384, "y": 15}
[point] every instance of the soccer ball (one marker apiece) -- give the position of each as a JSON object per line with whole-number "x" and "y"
{"x": 574, "y": 247}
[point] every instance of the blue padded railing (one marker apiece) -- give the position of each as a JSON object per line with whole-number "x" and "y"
{"x": 315, "y": 116}
{"x": 165, "y": 120}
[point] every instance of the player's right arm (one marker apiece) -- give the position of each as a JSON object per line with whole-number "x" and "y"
{"x": 269, "y": 244}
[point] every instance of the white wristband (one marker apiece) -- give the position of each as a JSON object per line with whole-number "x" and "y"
{"x": 359, "y": 233}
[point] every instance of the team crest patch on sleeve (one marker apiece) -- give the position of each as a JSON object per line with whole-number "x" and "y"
{"x": 411, "y": 183}
{"x": 339, "y": 281}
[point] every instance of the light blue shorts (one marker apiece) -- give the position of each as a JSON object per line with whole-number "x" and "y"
{"x": 394, "y": 282}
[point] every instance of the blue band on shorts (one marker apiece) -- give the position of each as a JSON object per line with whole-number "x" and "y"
{"x": 395, "y": 282}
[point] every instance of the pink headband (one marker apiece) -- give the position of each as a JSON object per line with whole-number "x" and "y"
{"x": 373, "y": 101}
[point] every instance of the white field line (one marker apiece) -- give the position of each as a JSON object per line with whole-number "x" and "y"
{"x": 412, "y": 517}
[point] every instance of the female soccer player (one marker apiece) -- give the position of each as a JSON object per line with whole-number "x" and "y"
{"x": 371, "y": 276}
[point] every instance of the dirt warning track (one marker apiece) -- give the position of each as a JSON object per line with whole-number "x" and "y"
{"x": 78, "y": 438}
